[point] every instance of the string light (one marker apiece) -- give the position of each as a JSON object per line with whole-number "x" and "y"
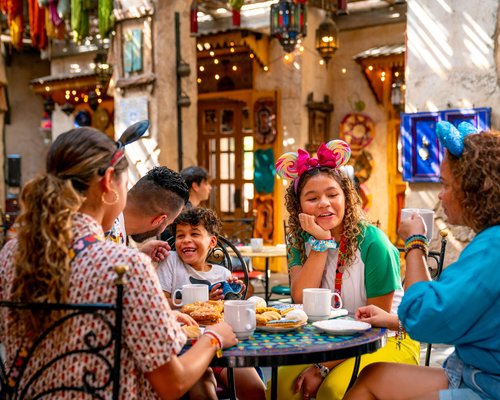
{"x": 321, "y": 62}
{"x": 202, "y": 68}
{"x": 266, "y": 68}
{"x": 217, "y": 77}
{"x": 198, "y": 80}
{"x": 370, "y": 68}
{"x": 212, "y": 54}
{"x": 252, "y": 55}
{"x": 235, "y": 68}
{"x": 216, "y": 61}
{"x": 344, "y": 70}
{"x": 231, "y": 49}
{"x": 73, "y": 92}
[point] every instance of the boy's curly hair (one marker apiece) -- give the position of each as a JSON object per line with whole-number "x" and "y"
{"x": 196, "y": 217}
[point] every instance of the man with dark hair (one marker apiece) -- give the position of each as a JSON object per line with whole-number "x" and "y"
{"x": 152, "y": 204}
{"x": 197, "y": 180}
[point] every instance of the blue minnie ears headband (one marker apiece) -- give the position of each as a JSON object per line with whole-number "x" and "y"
{"x": 453, "y": 138}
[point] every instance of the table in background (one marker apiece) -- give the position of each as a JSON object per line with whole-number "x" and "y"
{"x": 267, "y": 252}
{"x": 304, "y": 346}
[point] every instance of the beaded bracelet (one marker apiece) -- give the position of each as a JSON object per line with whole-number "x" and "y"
{"x": 322, "y": 245}
{"x": 417, "y": 242}
{"x": 216, "y": 340}
{"x": 400, "y": 335}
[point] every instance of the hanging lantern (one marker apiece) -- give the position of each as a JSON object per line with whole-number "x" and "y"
{"x": 327, "y": 39}
{"x": 288, "y": 23}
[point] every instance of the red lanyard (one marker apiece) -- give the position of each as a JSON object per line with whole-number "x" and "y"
{"x": 339, "y": 271}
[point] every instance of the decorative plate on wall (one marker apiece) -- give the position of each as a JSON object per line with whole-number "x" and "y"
{"x": 100, "y": 119}
{"x": 358, "y": 131}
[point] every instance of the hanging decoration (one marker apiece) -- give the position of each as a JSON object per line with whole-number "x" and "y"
{"x": 236, "y": 7}
{"x": 37, "y": 24}
{"x": 14, "y": 10}
{"x": 105, "y": 17}
{"x": 80, "y": 23}
{"x": 289, "y": 23}
{"x": 194, "y": 18}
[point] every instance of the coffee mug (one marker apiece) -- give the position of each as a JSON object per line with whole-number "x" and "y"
{"x": 317, "y": 302}
{"x": 240, "y": 314}
{"x": 191, "y": 293}
{"x": 426, "y": 214}
{"x": 257, "y": 244}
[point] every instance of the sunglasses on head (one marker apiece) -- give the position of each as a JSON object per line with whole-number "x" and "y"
{"x": 130, "y": 135}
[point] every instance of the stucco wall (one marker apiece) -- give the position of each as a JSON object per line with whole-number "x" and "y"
{"x": 22, "y": 134}
{"x": 351, "y": 85}
{"x": 451, "y": 63}
{"x": 166, "y": 85}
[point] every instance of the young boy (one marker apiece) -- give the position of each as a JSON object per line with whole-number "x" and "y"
{"x": 195, "y": 231}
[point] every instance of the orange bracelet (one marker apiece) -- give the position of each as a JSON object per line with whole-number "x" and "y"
{"x": 215, "y": 340}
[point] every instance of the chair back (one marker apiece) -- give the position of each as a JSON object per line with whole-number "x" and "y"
{"x": 14, "y": 385}
{"x": 223, "y": 254}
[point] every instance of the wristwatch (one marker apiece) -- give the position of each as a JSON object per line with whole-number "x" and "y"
{"x": 323, "y": 371}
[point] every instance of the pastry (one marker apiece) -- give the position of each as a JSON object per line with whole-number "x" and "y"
{"x": 271, "y": 315}
{"x": 192, "y": 331}
{"x": 297, "y": 315}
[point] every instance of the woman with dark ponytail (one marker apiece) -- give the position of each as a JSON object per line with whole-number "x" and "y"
{"x": 59, "y": 255}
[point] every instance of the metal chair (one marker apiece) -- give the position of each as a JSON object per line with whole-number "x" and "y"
{"x": 435, "y": 273}
{"x": 283, "y": 290}
{"x": 222, "y": 256}
{"x": 15, "y": 385}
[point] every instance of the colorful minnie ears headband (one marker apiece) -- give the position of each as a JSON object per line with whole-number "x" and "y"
{"x": 453, "y": 138}
{"x": 334, "y": 154}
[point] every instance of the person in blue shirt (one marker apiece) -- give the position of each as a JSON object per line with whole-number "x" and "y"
{"x": 463, "y": 307}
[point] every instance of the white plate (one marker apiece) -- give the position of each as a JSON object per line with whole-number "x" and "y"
{"x": 277, "y": 329}
{"x": 335, "y": 313}
{"x": 341, "y": 327}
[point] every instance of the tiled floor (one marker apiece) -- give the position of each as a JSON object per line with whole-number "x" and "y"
{"x": 439, "y": 351}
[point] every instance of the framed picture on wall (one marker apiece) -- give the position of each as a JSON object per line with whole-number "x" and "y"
{"x": 319, "y": 122}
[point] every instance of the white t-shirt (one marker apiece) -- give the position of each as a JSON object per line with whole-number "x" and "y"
{"x": 173, "y": 273}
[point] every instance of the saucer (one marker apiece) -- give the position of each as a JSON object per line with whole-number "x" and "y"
{"x": 335, "y": 313}
{"x": 342, "y": 327}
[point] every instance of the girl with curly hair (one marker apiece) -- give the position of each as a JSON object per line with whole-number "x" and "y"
{"x": 462, "y": 307}
{"x": 331, "y": 245}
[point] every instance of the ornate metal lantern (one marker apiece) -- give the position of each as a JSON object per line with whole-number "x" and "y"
{"x": 288, "y": 22}
{"x": 327, "y": 39}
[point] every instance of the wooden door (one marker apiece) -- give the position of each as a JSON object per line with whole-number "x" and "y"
{"x": 226, "y": 151}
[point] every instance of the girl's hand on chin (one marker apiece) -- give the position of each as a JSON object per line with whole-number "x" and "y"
{"x": 308, "y": 224}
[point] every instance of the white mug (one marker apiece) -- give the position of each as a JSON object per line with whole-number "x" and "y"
{"x": 240, "y": 314}
{"x": 426, "y": 214}
{"x": 317, "y": 302}
{"x": 191, "y": 293}
{"x": 257, "y": 244}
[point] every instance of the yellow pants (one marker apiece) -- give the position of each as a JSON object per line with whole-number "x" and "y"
{"x": 335, "y": 384}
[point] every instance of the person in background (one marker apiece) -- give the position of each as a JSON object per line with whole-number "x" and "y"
{"x": 198, "y": 182}
{"x": 152, "y": 204}
{"x": 463, "y": 306}
{"x": 333, "y": 246}
{"x": 195, "y": 231}
{"x": 60, "y": 255}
